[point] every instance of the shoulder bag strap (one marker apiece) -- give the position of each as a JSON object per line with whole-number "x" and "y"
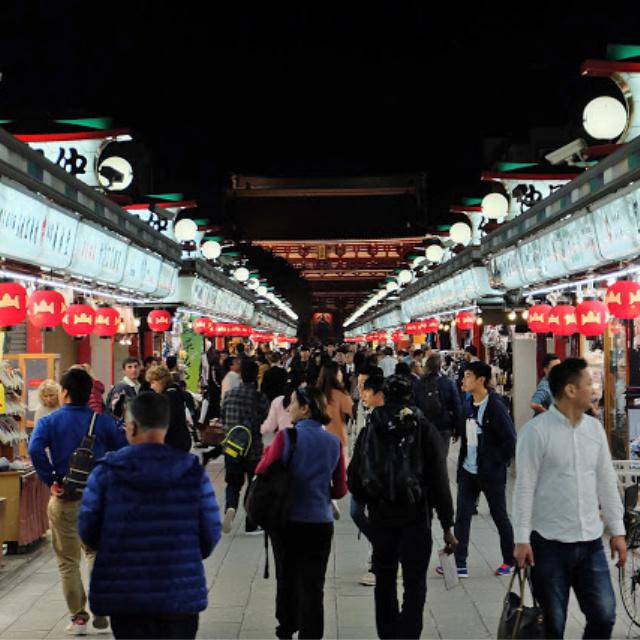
{"x": 92, "y": 425}
{"x": 293, "y": 441}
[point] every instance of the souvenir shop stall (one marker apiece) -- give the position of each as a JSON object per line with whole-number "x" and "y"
{"x": 73, "y": 266}
{"x": 570, "y": 261}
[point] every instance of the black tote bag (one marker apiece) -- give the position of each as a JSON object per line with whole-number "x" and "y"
{"x": 518, "y": 620}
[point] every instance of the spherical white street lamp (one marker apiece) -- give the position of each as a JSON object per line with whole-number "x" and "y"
{"x": 434, "y": 253}
{"x": 261, "y": 290}
{"x": 185, "y": 230}
{"x": 604, "y": 118}
{"x": 241, "y": 274}
{"x": 495, "y": 206}
{"x": 460, "y": 233}
{"x": 392, "y": 285}
{"x": 405, "y": 276}
{"x": 211, "y": 249}
{"x": 417, "y": 262}
{"x": 253, "y": 283}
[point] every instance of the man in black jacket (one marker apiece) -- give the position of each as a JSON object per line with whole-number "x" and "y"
{"x": 439, "y": 400}
{"x": 397, "y": 502}
{"x": 275, "y": 378}
{"x": 488, "y": 444}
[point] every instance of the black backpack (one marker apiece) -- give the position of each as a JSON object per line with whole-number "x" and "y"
{"x": 237, "y": 443}
{"x": 432, "y": 404}
{"x": 388, "y": 467}
{"x": 81, "y": 465}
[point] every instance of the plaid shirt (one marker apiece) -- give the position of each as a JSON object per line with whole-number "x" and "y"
{"x": 245, "y": 405}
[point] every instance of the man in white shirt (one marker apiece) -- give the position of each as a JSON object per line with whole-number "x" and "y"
{"x": 388, "y": 363}
{"x": 564, "y": 478}
{"x": 232, "y": 380}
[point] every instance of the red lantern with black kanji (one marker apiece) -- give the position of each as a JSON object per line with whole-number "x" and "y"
{"x": 623, "y": 299}
{"x": 203, "y": 325}
{"x": 431, "y": 325}
{"x": 106, "y": 322}
{"x": 45, "y": 309}
{"x": 562, "y": 320}
{"x": 159, "y": 320}
{"x": 13, "y": 304}
{"x": 78, "y": 320}
{"x": 592, "y": 318}
{"x": 538, "y": 318}
{"x": 465, "y": 320}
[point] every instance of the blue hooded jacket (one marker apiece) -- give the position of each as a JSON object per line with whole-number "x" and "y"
{"x": 151, "y": 514}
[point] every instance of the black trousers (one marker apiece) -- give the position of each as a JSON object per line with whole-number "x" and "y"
{"x": 235, "y": 474}
{"x": 410, "y": 546}
{"x": 136, "y": 627}
{"x": 301, "y": 552}
{"x": 469, "y": 487}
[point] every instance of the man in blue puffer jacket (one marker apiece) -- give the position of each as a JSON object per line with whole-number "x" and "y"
{"x": 150, "y": 512}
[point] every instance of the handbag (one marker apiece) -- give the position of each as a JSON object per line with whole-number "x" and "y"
{"x": 213, "y": 435}
{"x": 518, "y": 620}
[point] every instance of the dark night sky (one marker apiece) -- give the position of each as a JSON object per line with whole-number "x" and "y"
{"x": 323, "y": 89}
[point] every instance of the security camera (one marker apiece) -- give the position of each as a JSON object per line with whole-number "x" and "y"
{"x": 568, "y": 152}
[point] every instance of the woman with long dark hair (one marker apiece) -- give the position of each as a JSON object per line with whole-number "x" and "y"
{"x": 339, "y": 402}
{"x": 302, "y": 546}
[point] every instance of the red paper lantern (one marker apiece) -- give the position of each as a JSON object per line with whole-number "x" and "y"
{"x": 413, "y": 328}
{"x": 562, "y": 320}
{"x": 431, "y": 325}
{"x": 592, "y": 318}
{"x": 78, "y": 320}
{"x": 13, "y": 304}
{"x": 203, "y": 325}
{"x": 45, "y": 309}
{"x": 538, "y": 319}
{"x": 623, "y": 299}
{"x": 465, "y": 320}
{"x": 106, "y": 322}
{"x": 159, "y": 320}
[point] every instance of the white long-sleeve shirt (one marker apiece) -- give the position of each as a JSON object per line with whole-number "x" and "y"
{"x": 563, "y": 474}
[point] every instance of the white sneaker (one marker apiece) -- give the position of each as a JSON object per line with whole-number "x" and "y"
{"x": 368, "y": 580}
{"x": 335, "y": 509}
{"x": 77, "y": 627}
{"x": 229, "y": 517}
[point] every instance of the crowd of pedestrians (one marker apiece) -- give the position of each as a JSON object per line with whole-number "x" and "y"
{"x": 377, "y": 423}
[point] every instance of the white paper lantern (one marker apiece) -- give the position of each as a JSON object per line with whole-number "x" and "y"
{"x": 242, "y": 274}
{"x": 604, "y": 118}
{"x": 211, "y": 250}
{"x": 434, "y": 253}
{"x": 417, "y": 262}
{"x": 392, "y": 285}
{"x": 460, "y": 233}
{"x": 405, "y": 276}
{"x": 495, "y": 206}
{"x": 253, "y": 283}
{"x": 261, "y": 290}
{"x": 185, "y": 230}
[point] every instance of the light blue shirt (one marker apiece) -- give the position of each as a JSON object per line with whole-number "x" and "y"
{"x": 473, "y": 432}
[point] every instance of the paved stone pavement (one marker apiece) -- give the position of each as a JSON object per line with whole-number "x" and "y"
{"x": 241, "y": 601}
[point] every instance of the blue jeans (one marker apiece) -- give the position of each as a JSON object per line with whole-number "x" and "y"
{"x": 583, "y": 566}
{"x": 360, "y": 518}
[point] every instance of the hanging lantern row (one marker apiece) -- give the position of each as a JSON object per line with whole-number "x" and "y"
{"x": 262, "y": 337}
{"x": 356, "y": 339}
{"x": 399, "y": 336}
{"x": 288, "y": 339}
{"x": 380, "y": 336}
{"x": 588, "y": 318}
{"x": 209, "y": 328}
{"x": 430, "y": 325}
